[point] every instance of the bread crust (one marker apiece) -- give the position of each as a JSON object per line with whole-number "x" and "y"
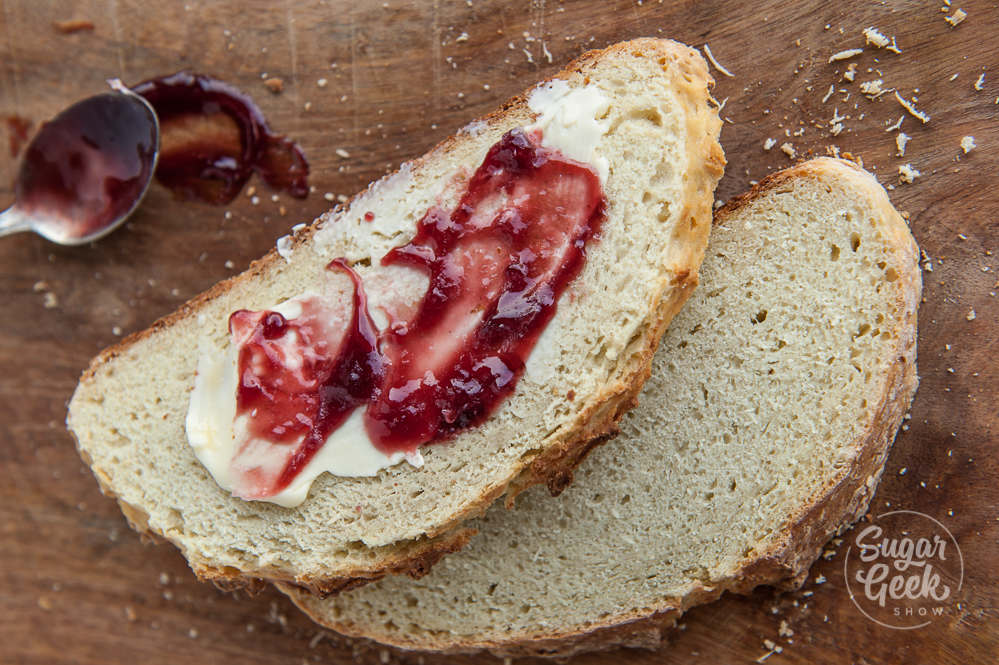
{"x": 784, "y": 562}
{"x": 594, "y": 423}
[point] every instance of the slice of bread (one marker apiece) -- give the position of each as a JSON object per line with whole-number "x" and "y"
{"x": 663, "y": 160}
{"x": 764, "y": 429}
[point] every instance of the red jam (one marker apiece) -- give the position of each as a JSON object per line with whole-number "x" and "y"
{"x": 497, "y": 265}
{"x": 213, "y": 137}
{"x": 87, "y": 166}
{"x": 19, "y": 128}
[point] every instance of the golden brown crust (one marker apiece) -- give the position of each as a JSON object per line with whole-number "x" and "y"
{"x": 785, "y": 561}
{"x": 595, "y": 422}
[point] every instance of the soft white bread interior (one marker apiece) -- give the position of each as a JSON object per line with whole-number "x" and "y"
{"x": 764, "y": 429}
{"x": 664, "y": 161}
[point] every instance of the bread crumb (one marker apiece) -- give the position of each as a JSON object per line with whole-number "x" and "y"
{"x": 821, "y": 579}
{"x": 785, "y": 629}
{"x": 129, "y": 613}
{"x": 329, "y": 196}
{"x": 901, "y": 139}
{"x": 116, "y": 331}
{"x": 892, "y": 127}
{"x": 980, "y": 83}
{"x": 463, "y": 37}
{"x": 967, "y": 144}
{"x": 230, "y": 265}
{"x": 717, "y": 65}
{"x": 44, "y": 603}
{"x": 876, "y": 37}
{"x": 907, "y": 174}
{"x": 70, "y": 26}
{"x": 342, "y": 153}
{"x": 274, "y": 84}
{"x": 788, "y": 150}
{"x": 322, "y": 83}
{"x": 851, "y": 72}
{"x": 192, "y": 633}
{"x": 907, "y": 105}
{"x": 971, "y": 314}
{"x": 957, "y": 17}
{"x": 844, "y": 55}
{"x": 769, "y": 143}
{"x": 873, "y": 88}
{"x": 832, "y": 89}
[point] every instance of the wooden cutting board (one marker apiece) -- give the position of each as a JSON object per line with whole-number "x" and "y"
{"x": 370, "y": 84}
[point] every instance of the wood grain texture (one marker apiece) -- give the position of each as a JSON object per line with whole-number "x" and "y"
{"x": 77, "y": 586}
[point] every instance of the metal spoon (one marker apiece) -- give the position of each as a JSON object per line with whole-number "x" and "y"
{"x": 86, "y": 170}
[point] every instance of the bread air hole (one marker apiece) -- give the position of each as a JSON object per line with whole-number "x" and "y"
{"x": 834, "y": 253}
{"x": 648, "y": 114}
{"x": 855, "y": 241}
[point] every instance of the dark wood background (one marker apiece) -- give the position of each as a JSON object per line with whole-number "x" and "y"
{"x": 77, "y": 586}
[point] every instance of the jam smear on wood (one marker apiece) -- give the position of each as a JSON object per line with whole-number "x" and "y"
{"x": 496, "y": 264}
{"x": 213, "y": 137}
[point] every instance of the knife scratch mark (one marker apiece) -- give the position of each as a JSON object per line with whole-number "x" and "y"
{"x": 353, "y": 74}
{"x": 12, "y": 61}
{"x": 292, "y": 46}
{"x": 436, "y": 56}
{"x": 116, "y": 28}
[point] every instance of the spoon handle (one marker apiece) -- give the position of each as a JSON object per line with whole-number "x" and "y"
{"x": 13, "y": 220}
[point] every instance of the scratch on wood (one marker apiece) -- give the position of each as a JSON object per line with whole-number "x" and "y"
{"x": 436, "y": 55}
{"x": 15, "y": 69}
{"x": 353, "y": 75}
{"x": 292, "y": 47}
{"x": 113, "y": 7}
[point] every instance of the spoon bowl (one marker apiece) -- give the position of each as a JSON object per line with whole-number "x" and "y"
{"x": 86, "y": 170}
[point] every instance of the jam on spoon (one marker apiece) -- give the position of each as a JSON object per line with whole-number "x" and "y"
{"x": 86, "y": 170}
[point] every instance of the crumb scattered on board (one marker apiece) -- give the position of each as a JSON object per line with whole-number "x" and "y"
{"x": 70, "y": 26}
{"x": 901, "y": 140}
{"x": 967, "y": 144}
{"x": 913, "y": 111}
{"x": 844, "y": 55}
{"x": 957, "y": 17}
{"x": 711, "y": 58}
{"x": 908, "y": 174}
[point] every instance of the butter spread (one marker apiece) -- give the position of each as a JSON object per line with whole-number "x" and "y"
{"x": 568, "y": 120}
{"x": 216, "y": 434}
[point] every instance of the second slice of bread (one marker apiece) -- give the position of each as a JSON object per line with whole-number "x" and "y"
{"x": 664, "y": 160}
{"x": 764, "y": 429}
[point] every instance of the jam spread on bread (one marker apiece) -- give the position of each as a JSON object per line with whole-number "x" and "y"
{"x": 496, "y": 264}
{"x": 213, "y": 137}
